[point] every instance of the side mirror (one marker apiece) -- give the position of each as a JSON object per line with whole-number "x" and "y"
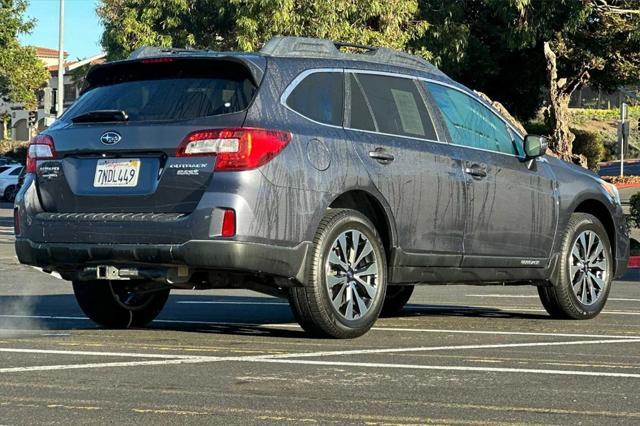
{"x": 535, "y": 146}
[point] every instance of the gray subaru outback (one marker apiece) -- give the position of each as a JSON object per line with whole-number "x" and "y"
{"x": 337, "y": 179}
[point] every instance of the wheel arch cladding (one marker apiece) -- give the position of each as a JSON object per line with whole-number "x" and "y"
{"x": 601, "y": 212}
{"x": 373, "y": 209}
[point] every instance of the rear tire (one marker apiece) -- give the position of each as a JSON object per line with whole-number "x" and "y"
{"x": 396, "y": 299}
{"x": 585, "y": 271}
{"x": 111, "y": 305}
{"x": 346, "y": 276}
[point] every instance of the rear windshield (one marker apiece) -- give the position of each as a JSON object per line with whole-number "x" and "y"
{"x": 167, "y": 91}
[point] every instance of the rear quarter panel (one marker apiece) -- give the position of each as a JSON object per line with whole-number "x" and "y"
{"x": 318, "y": 165}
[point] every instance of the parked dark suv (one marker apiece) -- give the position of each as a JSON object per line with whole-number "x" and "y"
{"x": 339, "y": 180}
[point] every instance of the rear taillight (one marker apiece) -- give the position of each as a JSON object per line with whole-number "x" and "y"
{"x": 41, "y": 148}
{"x": 235, "y": 149}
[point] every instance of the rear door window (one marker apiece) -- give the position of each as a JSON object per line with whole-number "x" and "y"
{"x": 168, "y": 91}
{"x": 360, "y": 113}
{"x": 320, "y": 97}
{"x": 397, "y": 106}
{"x": 16, "y": 172}
{"x": 470, "y": 123}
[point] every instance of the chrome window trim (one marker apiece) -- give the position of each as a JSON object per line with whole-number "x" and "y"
{"x": 296, "y": 81}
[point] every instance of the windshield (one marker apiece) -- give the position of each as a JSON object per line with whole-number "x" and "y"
{"x": 181, "y": 90}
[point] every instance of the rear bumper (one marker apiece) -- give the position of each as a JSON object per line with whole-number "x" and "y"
{"x": 287, "y": 262}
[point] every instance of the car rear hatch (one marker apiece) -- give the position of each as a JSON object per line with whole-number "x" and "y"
{"x": 116, "y": 149}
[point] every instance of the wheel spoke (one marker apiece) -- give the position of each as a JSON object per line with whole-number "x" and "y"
{"x": 574, "y": 269}
{"x": 583, "y": 245}
{"x": 335, "y": 260}
{"x": 355, "y": 243}
{"x": 338, "y": 299}
{"x": 597, "y": 281}
{"x": 584, "y": 290}
{"x": 590, "y": 237}
{"x": 371, "y": 290}
{"x": 592, "y": 290}
{"x": 575, "y": 252}
{"x": 334, "y": 280}
{"x": 597, "y": 253}
{"x": 342, "y": 243}
{"x": 362, "y": 307}
{"x": 577, "y": 283}
{"x": 369, "y": 270}
{"x": 366, "y": 250}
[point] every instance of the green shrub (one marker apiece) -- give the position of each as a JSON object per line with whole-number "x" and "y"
{"x": 591, "y": 145}
{"x": 537, "y": 127}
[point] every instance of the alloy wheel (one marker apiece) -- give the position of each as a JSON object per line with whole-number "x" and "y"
{"x": 352, "y": 271}
{"x": 588, "y": 267}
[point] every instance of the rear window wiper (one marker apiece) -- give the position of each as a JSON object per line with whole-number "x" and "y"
{"x": 101, "y": 116}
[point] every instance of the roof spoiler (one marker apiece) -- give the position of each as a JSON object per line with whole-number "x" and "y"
{"x": 254, "y": 63}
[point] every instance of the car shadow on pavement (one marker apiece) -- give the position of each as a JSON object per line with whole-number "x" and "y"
{"x": 414, "y": 310}
{"x": 240, "y": 315}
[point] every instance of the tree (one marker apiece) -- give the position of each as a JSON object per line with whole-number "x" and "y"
{"x": 470, "y": 41}
{"x": 388, "y": 23}
{"x": 21, "y": 72}
{"x": 247, "y": 24}
{"x": 598, "y": 43}
{"x": 512, "y": 49}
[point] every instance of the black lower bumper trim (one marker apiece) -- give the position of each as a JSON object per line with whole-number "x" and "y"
{"x": 280, "y": 261}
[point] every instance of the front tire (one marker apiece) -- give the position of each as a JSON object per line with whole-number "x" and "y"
{"x": 585, "y": 271}
{"x": 113, "y": 305}
{"x": 346, "y": 275}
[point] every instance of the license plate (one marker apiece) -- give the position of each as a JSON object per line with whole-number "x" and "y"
{"x": 116, "y": 173}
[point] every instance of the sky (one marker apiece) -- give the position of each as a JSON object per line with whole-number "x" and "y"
{"x": 82, "y": 28}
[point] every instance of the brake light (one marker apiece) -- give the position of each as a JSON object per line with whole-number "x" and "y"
{"x": 235, "y": 149}
{"x": 41, "y": 148}
{"x": 157, "y": 60}
{"x": 229, "y": 223}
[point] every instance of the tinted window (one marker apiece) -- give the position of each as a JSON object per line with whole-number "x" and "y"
{"x": 180, "y": 90}
{"x": 320, "y": 97}
{"x": 397, "y": 106}
{"x": 470, "y": 123}
{"x": 16, "y": 172}
{"x": 4, "y": 169}
{"x": 360, "y": 116}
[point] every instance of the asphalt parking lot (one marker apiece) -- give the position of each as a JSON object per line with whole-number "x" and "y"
{"x": 456, "y": 355}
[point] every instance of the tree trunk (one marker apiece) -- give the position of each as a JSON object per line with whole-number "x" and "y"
{"x": 557, "y": 114}
{"x": 3, "y": 134}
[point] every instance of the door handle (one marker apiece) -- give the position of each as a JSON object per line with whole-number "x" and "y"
{"x": 476, "y": 171}
{"x": 381, "y": 156}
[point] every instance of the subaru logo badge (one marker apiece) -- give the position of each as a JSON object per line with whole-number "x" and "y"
{"x": 110, "y": 138}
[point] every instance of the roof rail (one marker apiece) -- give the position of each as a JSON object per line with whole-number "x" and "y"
{"x": 304, "y": 47}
